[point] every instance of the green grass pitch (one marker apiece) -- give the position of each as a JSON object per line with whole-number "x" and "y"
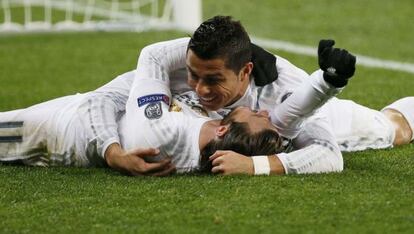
{"x": 374, "y": 194}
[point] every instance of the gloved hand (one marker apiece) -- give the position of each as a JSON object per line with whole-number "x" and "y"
{"x": 338, "y": 64}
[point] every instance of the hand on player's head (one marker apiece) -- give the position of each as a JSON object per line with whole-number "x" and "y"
{"x": 246, "y": 137}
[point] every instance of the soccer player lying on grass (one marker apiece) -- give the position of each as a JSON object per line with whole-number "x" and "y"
{"x": 219, "y": 69}
{"x": 225, "y": 70}
{"x": 58, "y": 132}
{"x": 338, "y": 125}
{"x": 353, "y": 127}
{"x": 75, "y": 130}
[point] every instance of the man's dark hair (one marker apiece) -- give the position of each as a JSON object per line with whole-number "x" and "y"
{"x": 240, "y": 139}
{"x": 221, "y": 37}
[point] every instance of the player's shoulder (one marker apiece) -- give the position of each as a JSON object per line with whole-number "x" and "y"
{"x": 183, "y": 41}
{"x": 284, "y": 65}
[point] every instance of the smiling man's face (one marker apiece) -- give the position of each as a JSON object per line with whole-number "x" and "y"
{"x": 216, "y": 85}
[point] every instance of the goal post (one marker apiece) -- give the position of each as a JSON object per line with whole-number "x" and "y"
{"x": 25, "y": 16}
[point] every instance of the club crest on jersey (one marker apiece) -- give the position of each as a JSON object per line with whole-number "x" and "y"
{"x": 153, "y": 98}
{"x": 153, "y": 110}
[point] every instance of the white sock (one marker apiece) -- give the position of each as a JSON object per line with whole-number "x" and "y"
{"x": 406, "y": 107}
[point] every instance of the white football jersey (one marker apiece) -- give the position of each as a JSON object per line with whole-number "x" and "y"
{"x": 152, "y": 124}
{"x": 165, "y": 62}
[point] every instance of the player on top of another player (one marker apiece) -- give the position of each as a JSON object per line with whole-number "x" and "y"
{"x": 59, "y": 132}
{"x": 227, "y": 71}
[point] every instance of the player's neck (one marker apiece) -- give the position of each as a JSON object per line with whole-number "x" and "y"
{"x": 243, "y": 89}
{"x": 245, "y": 84}
{"x": 207, "y": 132}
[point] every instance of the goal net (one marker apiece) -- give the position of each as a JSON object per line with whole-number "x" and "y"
{"x": 98, "y": 15}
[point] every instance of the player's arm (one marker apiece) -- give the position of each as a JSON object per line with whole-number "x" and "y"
{"x": 153, "y": 98}
{"x": 309, "y": 160}
{"x": 155, "y": 63}
{"x": 152, "y": 76}
{"x": 132, "y": 162}
{"x": 227, "y": 162}
{"x": 337, "y": 67}
{"x": 105, "y": 104}
{"x": 317, "y": 152}
{"x": 99, "y": 113}
{"x": 101, "y": 108}
{"x": 312, "y": 93}
{"x": 158, "y": 60}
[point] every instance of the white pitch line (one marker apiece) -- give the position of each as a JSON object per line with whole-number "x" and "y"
{"x": 312, "y": 51}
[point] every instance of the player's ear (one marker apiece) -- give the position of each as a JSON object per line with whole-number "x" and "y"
{"x": 222, "y": 130}
{"x": 246, "y": 71}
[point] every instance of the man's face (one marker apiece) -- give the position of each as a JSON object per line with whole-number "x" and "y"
{"x": 215, "y": 84}
{"x": 257, "y": 121}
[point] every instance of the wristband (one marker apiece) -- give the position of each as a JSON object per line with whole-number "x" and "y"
{"x": 261, "y": 165}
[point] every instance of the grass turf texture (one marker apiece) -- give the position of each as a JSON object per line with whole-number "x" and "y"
{"x": 374, "y": 193}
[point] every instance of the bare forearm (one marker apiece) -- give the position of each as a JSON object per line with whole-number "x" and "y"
{"x": 133, "y": 163}
{"x": 276, "y": 166}
{"x": 114, "y": 150}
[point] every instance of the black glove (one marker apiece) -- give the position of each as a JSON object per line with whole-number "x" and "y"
{"x": 338, "y": 64}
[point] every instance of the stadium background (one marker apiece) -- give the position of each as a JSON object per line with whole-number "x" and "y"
{"x": 373, "y": 194}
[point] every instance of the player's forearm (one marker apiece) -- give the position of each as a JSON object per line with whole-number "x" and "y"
{"x": 304, "y": 101}
{"x": 226, "y": 162}
{"x": 323, "y": 163}
{"x": 317, "y": 158}
{"x": 265, "y": 165}
{"x": 102, "y": 107}
{"x": 98, "y": 115}
{"x": 276, "y": 166}
{"x": 112, "y": 152}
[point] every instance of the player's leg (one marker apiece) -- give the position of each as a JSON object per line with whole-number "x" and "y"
{"x": 401, "y": 114}
{"x": 24, "y": 133}
{"x": 357, "y": 127}
{"x": 21, "y": 138}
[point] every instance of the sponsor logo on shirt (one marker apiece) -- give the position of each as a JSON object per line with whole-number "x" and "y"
{"x": 153, "y": 98}
{"x": 153, "y": 111}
